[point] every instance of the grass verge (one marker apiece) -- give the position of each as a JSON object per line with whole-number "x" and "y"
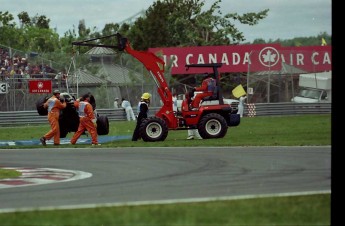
{"x": 297, "y": 210}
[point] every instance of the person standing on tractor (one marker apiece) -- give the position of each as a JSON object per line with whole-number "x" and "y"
{"x": 208, "y": 88}
{"x": 143, "y": 112}
{"x": 87, "y": 120}
{"x": 54, "y": 105}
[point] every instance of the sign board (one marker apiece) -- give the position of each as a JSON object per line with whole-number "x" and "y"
{"x": 250, "y": 90}
{"x": 244, "y": 58}
{"x": 3, "y": 88}
{"x": 235, "y": 58}
{"x": 40, "y": 86}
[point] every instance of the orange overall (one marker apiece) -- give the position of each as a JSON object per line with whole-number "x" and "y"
{"x": 207, "y": 91}
{"x": 87, "y": 121}
{"x": 54, "y": 106}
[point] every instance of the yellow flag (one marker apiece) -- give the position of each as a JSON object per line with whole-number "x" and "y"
{"x": 323, "y": 42}
{"x": 238, "y": 91}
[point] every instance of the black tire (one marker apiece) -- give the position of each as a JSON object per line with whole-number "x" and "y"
{"x": 69, "y": 119}
{"x": 39, "y": 106}
{"x": 63, "y": 132}
{"x": 212, "y": 125}
{"x": 102, "y": 125}
{"x": 153, "y": 129}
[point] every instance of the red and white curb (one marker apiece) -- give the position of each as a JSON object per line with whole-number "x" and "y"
{"x": 37, "y": 176}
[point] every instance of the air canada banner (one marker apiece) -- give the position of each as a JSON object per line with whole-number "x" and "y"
{"x": 40, "y": 86}
{"x": 246, "y": 58}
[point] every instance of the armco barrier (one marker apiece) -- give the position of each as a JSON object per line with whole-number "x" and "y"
{"x": 9, "y": 118}
{"x": 287, "y": 108}
{"x": 15, "y": 118}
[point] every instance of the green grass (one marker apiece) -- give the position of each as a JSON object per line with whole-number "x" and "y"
{"x": 297, "y": 210}
{"x": 8, "y": 173}
{"x": 258, "y": 131}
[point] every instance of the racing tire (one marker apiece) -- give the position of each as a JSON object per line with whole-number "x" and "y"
{"x": 212, "y": 125}
{"x": 102, "y": 125}
{"x": 153, "y": 129}
{"x": 63, "y": 133}
{"x": 39, "y": 106}
{"x": 69, "y": 119}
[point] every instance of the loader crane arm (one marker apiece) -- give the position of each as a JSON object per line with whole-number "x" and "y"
{"x": 151, "y": 62}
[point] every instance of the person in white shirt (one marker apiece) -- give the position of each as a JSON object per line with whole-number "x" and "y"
{"x": 241, "y": 105}
{"x": 116, "y": 103}
{"x": 128, "y": 108}
{"x": 174, "y": 100}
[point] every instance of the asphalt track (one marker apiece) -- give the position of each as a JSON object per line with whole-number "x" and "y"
{"x": 118, "y": 176}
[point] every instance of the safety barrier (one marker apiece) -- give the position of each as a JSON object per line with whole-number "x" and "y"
{"x": 9, "y": 118}
{"x": 287, "y": 108}
{"x": 15, "y": 118}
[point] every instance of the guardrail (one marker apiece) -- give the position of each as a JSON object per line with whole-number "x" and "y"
{"x": 15, "y": 118}
{"x": 287, "y": 108}
{"x": 9, "y": 118}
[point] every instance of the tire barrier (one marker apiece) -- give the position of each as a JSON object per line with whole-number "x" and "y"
{"x": 251, "y": 110}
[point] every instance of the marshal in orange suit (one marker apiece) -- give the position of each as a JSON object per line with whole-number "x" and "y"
{"x": 54, "y": 106}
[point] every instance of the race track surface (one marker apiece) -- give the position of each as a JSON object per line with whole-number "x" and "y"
{"x": 126, "y": 175}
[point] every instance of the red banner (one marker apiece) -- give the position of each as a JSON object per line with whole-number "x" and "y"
{"x": 40, "y": 86}
{"x": 244, "y": 58}
{"x": 308, "y": 58}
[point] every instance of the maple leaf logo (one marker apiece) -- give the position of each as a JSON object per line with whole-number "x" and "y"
{"x": 269, "y": 56}
{"x": 40, "y": 85}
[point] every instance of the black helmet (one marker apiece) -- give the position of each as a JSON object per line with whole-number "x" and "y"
{"x": 87, "y": 95}
{"x": 206, "y": 75}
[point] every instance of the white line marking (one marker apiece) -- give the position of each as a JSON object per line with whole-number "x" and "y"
{"x": 28, "y": 175}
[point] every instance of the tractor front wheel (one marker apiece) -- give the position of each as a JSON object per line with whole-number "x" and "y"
{"x": 212, "y": 125}
{"x": 153, "y": 129}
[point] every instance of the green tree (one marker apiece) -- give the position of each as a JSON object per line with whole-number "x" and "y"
{"x": 299, "y": 41}
{"x": 184, "y": 23}
{"x": 82, "y": 30}
{"x": 24, "y": 19}
{"x": 40, "y": 21}
{"x": 110, "y": 29}
{"x": 6, "y": 18}
{"x": 66, "y": 42}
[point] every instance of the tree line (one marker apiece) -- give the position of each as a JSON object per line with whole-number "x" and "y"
{"x": 175, "y": 23}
